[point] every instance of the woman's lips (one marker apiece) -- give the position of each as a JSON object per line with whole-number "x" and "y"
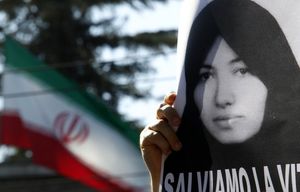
{"x": 226, "y": 121}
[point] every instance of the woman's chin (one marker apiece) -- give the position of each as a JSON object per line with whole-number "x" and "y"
{"x": 232, "y": 139}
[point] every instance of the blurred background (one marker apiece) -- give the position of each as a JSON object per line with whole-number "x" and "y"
{"x": 123, "y": 52}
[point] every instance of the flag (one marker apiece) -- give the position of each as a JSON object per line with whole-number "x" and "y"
{"x": 66, "y": 128}
{"x": 238, "y": 96}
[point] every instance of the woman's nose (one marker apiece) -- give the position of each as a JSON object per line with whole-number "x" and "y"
{"x": 224, "y": 95}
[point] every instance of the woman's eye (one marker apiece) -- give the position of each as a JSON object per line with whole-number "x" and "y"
{"x": 205, "y": 76}
{"x": 241, "y": 71}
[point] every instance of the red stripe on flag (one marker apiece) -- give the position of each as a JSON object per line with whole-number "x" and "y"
{"x": 51, "y": 153}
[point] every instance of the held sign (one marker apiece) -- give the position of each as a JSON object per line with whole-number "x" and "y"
{"x": 238, "y": 97}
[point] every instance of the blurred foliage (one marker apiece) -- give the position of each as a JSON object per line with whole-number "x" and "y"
{"x": 65, "y": 32}
{"x": 18, "y": 156}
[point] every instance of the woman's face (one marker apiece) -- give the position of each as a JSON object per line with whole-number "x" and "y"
{"x": 231, "y": 100}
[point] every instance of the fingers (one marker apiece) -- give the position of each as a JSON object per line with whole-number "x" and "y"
{"x": 164, "y": 137}
{"x": 167, "y": 112}
{"x": 153, "y": 144}
{"x": 170, "y": 98}
{"x": 168, "y": 133}
{"x": 160, "y": 138}
{"x": 153, "y": 140}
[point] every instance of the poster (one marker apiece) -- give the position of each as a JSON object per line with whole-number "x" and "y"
{"x": 239, "y": 98}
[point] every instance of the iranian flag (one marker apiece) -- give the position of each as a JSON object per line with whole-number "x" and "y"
{"x": 66, "y": 128}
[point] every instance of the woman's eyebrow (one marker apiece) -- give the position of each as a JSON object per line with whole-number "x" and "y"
{"x": 206, "y": 66}
{"x": 235, "y": 60}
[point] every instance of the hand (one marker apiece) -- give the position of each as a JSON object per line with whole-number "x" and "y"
{"x": 160, "y": 138}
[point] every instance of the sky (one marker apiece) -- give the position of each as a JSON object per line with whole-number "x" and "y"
{"x": 162, "y": 16}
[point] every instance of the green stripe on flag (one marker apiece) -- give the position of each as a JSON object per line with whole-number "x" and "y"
{"x": 18, "y": 57}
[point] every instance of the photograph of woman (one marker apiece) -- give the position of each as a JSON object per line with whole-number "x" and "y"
{"x": 242, "y": 104}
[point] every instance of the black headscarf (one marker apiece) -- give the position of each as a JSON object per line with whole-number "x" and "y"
{"x": 256, "y": 37}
